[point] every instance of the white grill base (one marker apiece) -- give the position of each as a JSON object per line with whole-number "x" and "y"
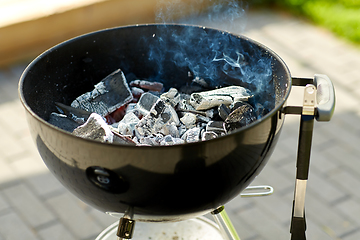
{"x": 194, "y": 229}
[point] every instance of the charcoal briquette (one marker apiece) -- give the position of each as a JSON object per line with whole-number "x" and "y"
{"x": 192, "y": 135}
{"x": 152, "y": 86}
{"x": 208, "y": 135}
{"x": 62, "y": 121}
{"x": 108, "y": 95}
{"x": 240, "y": 117}
{"x": 146, "y": 102}
{"x": 223, "y": 111}
{"x": 213, "y": 98}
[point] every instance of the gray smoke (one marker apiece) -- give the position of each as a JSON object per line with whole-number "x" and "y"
{"x": 212, "y": 54}
{"x": 228, "y": 15}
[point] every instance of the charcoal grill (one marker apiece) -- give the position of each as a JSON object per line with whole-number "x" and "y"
{"x": 167, "y": 183}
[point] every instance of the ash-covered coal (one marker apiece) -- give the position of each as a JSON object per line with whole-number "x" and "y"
{"x": 155, "y": 117}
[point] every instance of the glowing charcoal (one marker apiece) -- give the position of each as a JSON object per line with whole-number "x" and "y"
{"x": 108, "y": 95}
{"x": 136, "y": 92}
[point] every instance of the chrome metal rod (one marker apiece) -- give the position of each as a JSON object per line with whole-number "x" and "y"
{"x": 226, "y": 227}
{"x": 257, "y": 191}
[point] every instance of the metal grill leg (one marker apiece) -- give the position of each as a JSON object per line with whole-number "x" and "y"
{"x": 226, "y": 227}
{"x": 298, "y": 222}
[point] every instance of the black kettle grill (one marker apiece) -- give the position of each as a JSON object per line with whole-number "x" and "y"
{"x": 165, "y": 183}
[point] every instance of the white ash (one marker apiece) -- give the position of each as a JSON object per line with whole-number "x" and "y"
{"x": 192, "y": 135}
{"x": 170, "y": 140}
{"x": 135, "y": 109}
{"x": 137, "y": 91}
{"x": 95, "y": 128}
{"x": 214, "y": 98}
{"x": 210, "y": 113}
{"x": 150, "y": 141}
{"x": 171, "y": 97}
{"x": 189, "y": 120}
{"x": 170, "y": 129}
{"x": 127, "y": 125}
{"x": 160, "y": 114}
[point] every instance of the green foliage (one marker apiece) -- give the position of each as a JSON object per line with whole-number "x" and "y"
{"x": 340, "y": 16}
{"x": 341, "y": 19}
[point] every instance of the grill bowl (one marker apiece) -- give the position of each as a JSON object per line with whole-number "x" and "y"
{"x": 158, "y": 183}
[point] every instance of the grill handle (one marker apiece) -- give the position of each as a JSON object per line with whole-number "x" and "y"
{"x": 325, "y": 95}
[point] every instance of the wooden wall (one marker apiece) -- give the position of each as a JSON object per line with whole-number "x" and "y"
{"x": 27, "y": 38}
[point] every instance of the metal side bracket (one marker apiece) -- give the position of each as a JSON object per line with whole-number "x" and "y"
{"x": 325, "y": 97}
{"x": 319, "y": 104}
{"x": 298, "y": 223}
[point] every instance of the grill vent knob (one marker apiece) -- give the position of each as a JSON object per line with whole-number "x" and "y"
{"x": 106, "y": 179}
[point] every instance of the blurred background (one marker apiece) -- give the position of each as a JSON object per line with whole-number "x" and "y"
{"x": 310, "y": 36}
{"x": 28, "y": 27}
